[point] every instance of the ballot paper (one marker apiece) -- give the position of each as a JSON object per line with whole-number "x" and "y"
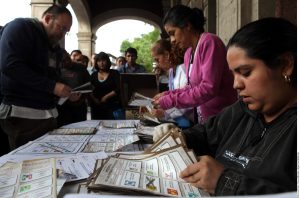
{"x": 31, "y": 178}
{"x": 155, "y": 174}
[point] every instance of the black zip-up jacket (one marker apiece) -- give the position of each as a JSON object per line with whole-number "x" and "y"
{"x": 259, "y": 158}
{"x": 27, "y": 77}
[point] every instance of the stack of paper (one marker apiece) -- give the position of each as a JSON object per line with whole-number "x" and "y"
{"x": 155, "y": 172}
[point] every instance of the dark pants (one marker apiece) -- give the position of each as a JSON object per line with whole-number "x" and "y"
{"x": 21, "y": 130}
{"x": 4, "y": 148}
{"x": 68, "y": 113}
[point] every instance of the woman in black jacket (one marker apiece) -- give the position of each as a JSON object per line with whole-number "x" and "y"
{"x": 251, "y": 147}
{"x": 105, "y": 100}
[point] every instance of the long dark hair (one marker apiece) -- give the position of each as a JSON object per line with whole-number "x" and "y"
{"x": 180, "y": 16}
{"x": 267, "y": 39}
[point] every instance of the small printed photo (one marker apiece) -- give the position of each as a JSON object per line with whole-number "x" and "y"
{"x": 129, "y": 183}
{"x": 172, "y": 191}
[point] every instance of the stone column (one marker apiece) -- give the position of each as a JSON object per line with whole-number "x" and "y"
{"x": 193, "y": 3}
{"x": 39, "y": 6}
{"x": 86, "y": 42}
{"x": 209, "y": 10}
{"x": 228, "y": 18}
{"x": 233, "y": 14}
{"x": 93, "y": 42}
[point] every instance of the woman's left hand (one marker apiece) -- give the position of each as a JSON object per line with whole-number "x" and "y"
{"x": 204, "y": 174}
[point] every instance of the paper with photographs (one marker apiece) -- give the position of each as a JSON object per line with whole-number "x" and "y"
{"x": 74, "y": 131}
{"x": 50, "y": 148}
{"x": 118, "y": 124}
{"x": 32, "y": 178}
{"x": 157, "y": 174}
{"x": 110, "y": 146}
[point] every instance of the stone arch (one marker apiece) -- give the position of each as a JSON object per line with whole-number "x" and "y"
{"x": 83, "y": 15}
{"x": 126, "y": 13}
{"x": 86, "y": 39}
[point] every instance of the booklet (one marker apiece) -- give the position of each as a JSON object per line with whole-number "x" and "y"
{"x": 153, "y": 172}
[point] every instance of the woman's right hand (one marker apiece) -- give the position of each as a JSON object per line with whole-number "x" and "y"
{"x": 156, "y": 99}
{"x": 159, "y": 95}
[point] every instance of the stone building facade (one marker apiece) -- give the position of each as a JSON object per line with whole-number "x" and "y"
{"x": 224, "y": 17}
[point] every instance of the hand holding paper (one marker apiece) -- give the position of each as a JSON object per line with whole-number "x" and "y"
{"x": 162, "y": 129}
{"x": 85, "y": 88}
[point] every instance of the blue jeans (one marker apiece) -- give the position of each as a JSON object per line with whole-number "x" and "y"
{"x": 119, "y": 114}
{"x": 182, "y": 122}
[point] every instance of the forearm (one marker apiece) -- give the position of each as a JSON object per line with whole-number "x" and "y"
{"x": 109, "y": 95}
{"x": 232, "y": 182}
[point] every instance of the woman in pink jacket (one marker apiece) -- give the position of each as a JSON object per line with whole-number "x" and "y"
{"x": 210, "y": 81}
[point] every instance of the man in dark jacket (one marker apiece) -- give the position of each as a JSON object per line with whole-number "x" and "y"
{"x": 29, "y": 74}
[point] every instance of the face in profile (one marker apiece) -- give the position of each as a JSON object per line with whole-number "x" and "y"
{"x": 162, "y": 60}
{"x": 178, "y": 36}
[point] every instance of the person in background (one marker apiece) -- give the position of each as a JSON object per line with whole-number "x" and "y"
{"x": 170, "y": 59}
{"x": 131, "y": 66}
{"x": 29, "y": 74}
{"x": 85, "y": 61}
{"x": 75, "y": 108}
{"x": 162, "y": 77}
{"x": 105, "y": 101}
{"x": 209, "y": 81}
{"x": 251, "y": 147}
{"x": 91, "y": 67}
{"x": 120, "y": 62}
{"x": 76, "y": 55}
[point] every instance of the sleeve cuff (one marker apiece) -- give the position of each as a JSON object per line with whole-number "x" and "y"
{"x": 228, "y": 183}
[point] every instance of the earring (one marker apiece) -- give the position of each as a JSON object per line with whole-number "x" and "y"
{"x": 287, "y": 79}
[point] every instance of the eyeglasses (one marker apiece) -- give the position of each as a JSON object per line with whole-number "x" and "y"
{"x": 62, "y": 28}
